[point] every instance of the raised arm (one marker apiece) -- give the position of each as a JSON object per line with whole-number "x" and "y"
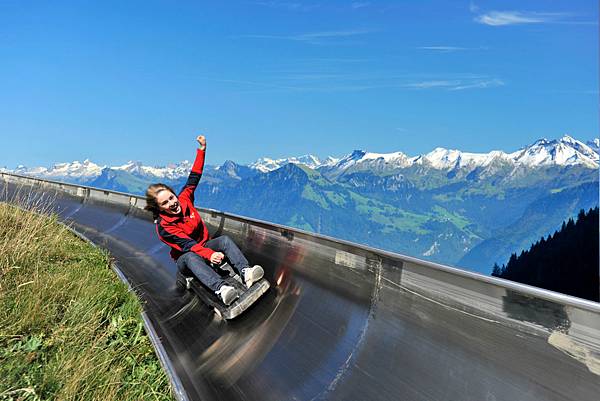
{"x": 187, "y": 192}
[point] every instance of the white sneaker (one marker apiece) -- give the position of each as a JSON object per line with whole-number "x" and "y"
{"x": 252, "y": 275}
{"x": 228, "y": 294}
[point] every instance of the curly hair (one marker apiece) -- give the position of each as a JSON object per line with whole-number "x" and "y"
{"x": 151, "y": 194}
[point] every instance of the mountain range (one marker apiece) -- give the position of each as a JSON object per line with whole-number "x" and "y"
{"x": 469, "y": 210}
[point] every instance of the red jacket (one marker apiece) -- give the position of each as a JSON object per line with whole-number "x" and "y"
{"x": 185, "y": 232}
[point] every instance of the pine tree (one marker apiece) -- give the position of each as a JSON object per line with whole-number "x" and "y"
{"x": 566, "y": 261}
{"x": 496, "y": 271}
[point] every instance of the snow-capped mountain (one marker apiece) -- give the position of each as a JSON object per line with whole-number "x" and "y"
{"x": 171, "y": 171}
{"x": 75, "y": 171}
{"x": 443, "y": 159}
{"x": 375, "y": 160}
{"x": 565, "y": 151}
{"x": 361, "y": 160}
{"x": 265, "y": 164}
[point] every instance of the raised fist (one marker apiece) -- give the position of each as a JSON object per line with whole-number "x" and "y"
{"x": 201, "y": 141}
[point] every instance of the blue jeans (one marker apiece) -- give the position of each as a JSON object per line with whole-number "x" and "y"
{"x": 200, "y": 266}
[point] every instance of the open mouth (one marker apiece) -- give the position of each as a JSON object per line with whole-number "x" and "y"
{"x": 175, "y": 208}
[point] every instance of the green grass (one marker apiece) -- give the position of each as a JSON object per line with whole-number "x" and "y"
{"x": 69, "y": 328}
{"x": 337, "y": 199}
{"x": 393, "y": 219}
{"x": 309, "y": 193}
{"x": 442, "y": 214}
{"x": 444, "y": 198}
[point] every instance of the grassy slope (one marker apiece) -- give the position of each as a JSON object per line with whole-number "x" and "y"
{"x": 69, "y": 328}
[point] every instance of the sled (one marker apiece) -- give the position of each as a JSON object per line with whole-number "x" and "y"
{"x": 247, "y": 295}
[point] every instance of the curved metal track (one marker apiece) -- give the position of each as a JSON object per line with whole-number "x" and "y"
{"x": 343, "y": 321}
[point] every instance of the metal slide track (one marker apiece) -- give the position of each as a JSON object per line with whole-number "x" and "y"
{"x": 342, "y": 321}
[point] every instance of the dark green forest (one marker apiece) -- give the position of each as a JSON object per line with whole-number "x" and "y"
{"x": 566, "y": 261}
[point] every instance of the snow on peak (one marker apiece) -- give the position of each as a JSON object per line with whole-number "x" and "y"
{"x": 543, "y": 152}
{"x": 265, "y": 164}
{"x": 395, "y": 157}
{"x": 594, "y": 145}
{"x": 372, "y": 159}
{"x": 88, "y": 170}
{"x": 330, "y": 161}
{"x": 131, "y": 167}
{"x": 442, "y": 158}
{"x": 76, "y": 170}
{"x": 565, "y": 151}
{"x": 350, "y": 159}
{"x": 170, "y": 171}
{"x": 24, "y": 170}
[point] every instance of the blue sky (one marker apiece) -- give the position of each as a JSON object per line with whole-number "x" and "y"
{"x": 138, "y": 80}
